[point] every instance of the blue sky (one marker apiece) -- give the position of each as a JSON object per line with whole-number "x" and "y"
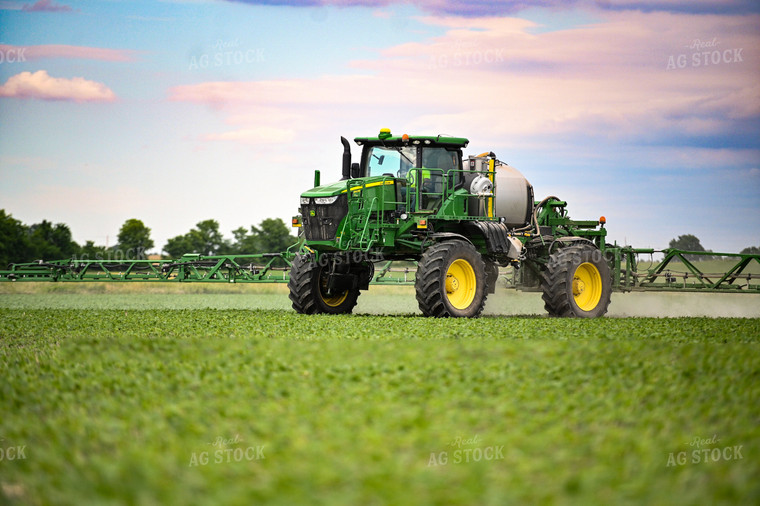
{"x": 178, "y": 111}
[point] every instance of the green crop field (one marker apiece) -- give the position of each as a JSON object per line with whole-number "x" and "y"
{"x": 221, "y": 395}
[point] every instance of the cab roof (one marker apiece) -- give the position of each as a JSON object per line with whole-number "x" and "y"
{"x": 385, "y": 137}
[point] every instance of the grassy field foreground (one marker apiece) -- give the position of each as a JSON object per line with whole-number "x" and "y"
{"x": 210, "y": 406}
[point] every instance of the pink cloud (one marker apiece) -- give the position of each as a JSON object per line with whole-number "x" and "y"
{"x": 327, "y": 89}
{"x": 480, "y": 8}
{"x": 24, "y": 53}
{"x": 438, "y": 7}
{"x": 41, "y": 86}
{"x": 495, "y": 80}
{"x": 46, "y": 6}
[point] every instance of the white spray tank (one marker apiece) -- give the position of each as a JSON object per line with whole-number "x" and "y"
{"x": 513, "y": 194}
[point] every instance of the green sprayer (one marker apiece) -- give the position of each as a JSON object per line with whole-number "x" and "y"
{"x": 457, "y": 224}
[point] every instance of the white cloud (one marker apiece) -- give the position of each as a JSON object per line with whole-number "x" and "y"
{"x": 42, "y": 86}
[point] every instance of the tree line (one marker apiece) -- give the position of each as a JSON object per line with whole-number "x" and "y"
{"x": 20, "y": 243}
{"x": 690, "y": 242}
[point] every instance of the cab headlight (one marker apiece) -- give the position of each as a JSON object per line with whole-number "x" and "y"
{"x": 325, "y": 200}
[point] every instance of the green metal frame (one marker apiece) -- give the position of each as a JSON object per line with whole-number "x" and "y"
{"x": 663, "y": 275}
{"x": 261, "y": 268}
{"x": 627, "y": 276}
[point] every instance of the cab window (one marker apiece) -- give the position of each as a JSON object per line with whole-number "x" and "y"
{"x": 441, "y": 158}
{"x": 390, "y": 160}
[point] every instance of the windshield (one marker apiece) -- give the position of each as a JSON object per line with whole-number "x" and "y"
{"x": 390, "y": 160}
{"x": 440, "y": 158}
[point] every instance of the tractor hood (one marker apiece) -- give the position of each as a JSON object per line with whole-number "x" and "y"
{"x": 327, "y": 190}
{"x": 339, "y": 187}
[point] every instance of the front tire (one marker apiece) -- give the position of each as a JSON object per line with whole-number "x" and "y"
{"x": 451, "y": 281}
{"x": 577, "y": 283}
{"x": 308, "y": 289}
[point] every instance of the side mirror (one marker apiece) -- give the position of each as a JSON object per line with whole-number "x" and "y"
{"x": 355, "y": 170}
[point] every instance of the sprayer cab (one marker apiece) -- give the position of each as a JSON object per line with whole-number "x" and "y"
{"x": 396, "y": 155}
{"x": 405, "y": 174}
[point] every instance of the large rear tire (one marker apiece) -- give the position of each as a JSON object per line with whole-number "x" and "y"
{"x": 451, "y": 280}
{"x": 309, "y": 292}
{"x": 577, "y": 283}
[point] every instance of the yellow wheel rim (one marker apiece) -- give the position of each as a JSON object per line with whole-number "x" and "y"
{"x": 460, "y": 284}
{"x": 587, "y": 286}
{"x": 335, "y": 300}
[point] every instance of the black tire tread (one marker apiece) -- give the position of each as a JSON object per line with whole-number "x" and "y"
{"x": 300, "y": 284}
{"x": 557, "y": 295}
{"x": 430, "y": 279}
{"x": 304, "y": 291}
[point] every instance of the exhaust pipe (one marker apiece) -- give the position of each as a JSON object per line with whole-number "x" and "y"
{"x": 346, "y": 159}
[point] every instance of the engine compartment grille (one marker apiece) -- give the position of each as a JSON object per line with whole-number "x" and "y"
{"x": 320, "y": 222}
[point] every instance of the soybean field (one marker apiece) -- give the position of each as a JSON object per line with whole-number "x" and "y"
{"x": 222, "y": 395}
